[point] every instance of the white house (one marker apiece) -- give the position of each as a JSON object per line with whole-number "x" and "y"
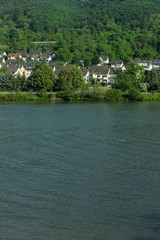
{"x": 16, "y": 69}
{"x": 111, "y": 76}
{"x": 99, "y": 74}
{"x": 37, "y": 54}
{"x": 156, "y": 63}
{"x": 3, "y": 54}
{"x": 14, "y": 56}
{"x": 28, "y": 66}
{"x": 117, "y": 64}
{"x": 24, "y": 56}
{"x": 147, "y": 64}
{"x": 103, "y": 60}
{"x": 48, "y": 56}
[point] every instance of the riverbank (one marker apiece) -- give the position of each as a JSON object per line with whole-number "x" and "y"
{"x": 111, "y": 95}
{"x": 27, "y": 97}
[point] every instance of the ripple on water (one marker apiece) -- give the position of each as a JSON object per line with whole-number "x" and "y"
{"x": 79, "y": 171}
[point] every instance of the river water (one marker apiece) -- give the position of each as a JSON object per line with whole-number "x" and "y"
{"x": 80, "y": 171}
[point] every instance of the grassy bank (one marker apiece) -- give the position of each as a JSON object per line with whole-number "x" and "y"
{"x": 151, "y": 97}
{"x": 111, "y": 95}
{"x": 28, "y": 97}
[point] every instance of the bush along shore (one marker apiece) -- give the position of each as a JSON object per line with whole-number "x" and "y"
{"x": 110, "y": 95}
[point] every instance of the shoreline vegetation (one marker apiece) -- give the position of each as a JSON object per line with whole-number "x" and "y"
{"x": 69, "y": 85}
{"x": 109, "y": 95}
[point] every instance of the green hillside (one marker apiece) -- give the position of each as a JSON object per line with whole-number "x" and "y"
{"x": 83, "y": 29}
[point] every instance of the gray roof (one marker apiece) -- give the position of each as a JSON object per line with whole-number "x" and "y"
{"x": 2, "y": 52}
{"x": 97, "y": 68}
{"x": 36, "y": 53}
{"x": 105, "y": 58}
{"x": 102, "y": 71}
{"x": 156, "y": 61}
{"x": 60, "y": 68}
{"x": 52, "y": 63}
{"x": 30, "y": 65}
{"x": 113, "y": 72}
{"x": 11, "y": 61}
{"x": 24, "y": 54}
{"x": 47, "y": 54}
{"x": 141, "y": 61}
{"x": 84, "y": 73}
{"x": 116, "y": 62}
{"x": 13, "y": 67}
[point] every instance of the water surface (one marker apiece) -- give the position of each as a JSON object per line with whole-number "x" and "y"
{"x": 80, "y": 171}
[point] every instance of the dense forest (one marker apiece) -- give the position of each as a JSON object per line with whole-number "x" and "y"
{"x": 83, "y": 29}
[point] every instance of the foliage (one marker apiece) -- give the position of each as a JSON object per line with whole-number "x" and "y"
{"x": 133, "y": 78}
{"x": 76, "y": 77}
{"x": 25, "y": 97}
{"x": 64, "y": 81}
{"x": 69, "y": 79}
{"x": 144, "y": 87}
{"x": 151, "y": 97}
{"x": 82, "y": 29}
{"x": 114, "y": 95}
{"x": 135, "y": 95}
{"x": 42, "y": 78}
{"x": 153, "y": 80}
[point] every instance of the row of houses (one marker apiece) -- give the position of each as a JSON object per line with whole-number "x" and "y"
{"x": 104, "y": 72}
{"x": 147, "y": 64}
{"x": 37, "y": 55}
{"x": 101, "y": 74}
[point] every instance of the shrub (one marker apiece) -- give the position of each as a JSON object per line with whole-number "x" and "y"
{"x": 114, "y": 95}
{"x": 135, "y": 95}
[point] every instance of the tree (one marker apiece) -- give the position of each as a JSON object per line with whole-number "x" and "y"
{"x": 4, "y": 80}
{"x": 42, "y": 78}
{"x": 130, "y": 79}
{"x": 64, "y": 55}
{"x": 124, "y": 81}
{"x": 9, "y": 82}
{"x": 135, "y": 95}
{"x": 153, "y": 80}
{"x": 137, "y": 73}
{"x": 64, "y": 81}
{"x": 76, "y": 77}
{"x": 69, "y": 79}
{"x": 144, "y": 87}
{"x": 113, "y": 95}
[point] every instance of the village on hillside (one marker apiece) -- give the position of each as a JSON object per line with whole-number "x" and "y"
{"x": 22, "y": 63}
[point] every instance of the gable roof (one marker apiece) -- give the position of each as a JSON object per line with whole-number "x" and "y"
{"x": 47, "y": 54}
{"x": 97, "y": 68}
{"x": 30, "y": 65}
{"x": 105, "y": 58}
{"x": 116, "y": 62}
{"x": 35, "y": 53}
{"x": 13, "y": 67}
{"x": 141, "y": 61}
{"x": 2, "y": 53}
{"x": 15, "y": 55}
{"x": 156, "y": 61}
{"x": 113, "y": 72}
{"x": 60, "y": 68}
{"x": 84, "y": 73}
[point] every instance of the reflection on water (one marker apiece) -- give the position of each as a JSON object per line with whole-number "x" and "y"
{"x": 80, "y": 171}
